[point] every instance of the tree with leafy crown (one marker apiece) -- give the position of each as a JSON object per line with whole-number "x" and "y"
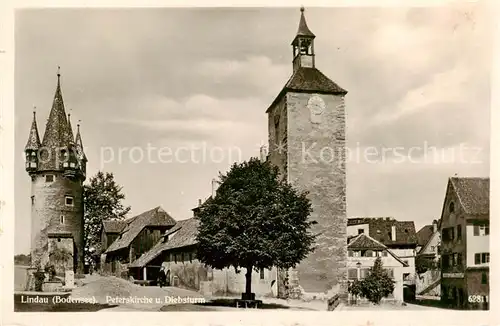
{"x": 255, "y": 221}
{"x": 102, "y": 201}
{"x": 377, "y": 285}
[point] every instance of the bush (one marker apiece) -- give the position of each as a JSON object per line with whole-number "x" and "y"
{"x": 423, "y": 264}
{"x": 376, "y": 286}
{"x": 39, "y": 278}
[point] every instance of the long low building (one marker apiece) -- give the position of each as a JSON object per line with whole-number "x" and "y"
{"x": 176, "y": 252}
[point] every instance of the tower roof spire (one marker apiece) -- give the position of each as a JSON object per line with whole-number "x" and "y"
{"x": 303, "y": 29}
{"x": 70, "y": 129}
{"x": 79, "y": 143}
{"x": 57, "y": 133}
{"x": 33, "y": 138}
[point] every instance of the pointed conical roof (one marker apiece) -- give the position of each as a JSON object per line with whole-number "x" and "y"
{"x": 33, "y": 139}
{"x": 56, "y": 130}
{"x": 79, "y": 144}
{"x": 70, "y": 130}
{"x": 303, "y": 29}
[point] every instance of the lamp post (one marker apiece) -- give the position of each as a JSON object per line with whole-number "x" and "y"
{"x": 358, "y": 276}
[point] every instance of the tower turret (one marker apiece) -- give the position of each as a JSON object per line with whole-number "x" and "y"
{"x": 303, "y": 45}
{"x": 56, "y": 191}
{"x": 32, "y": 146}
{"x": 80, "y": 154}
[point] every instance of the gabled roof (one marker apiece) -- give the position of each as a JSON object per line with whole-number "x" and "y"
{"x": 33, "y": 138}
{"x": 183, "y": 234}
{"x": 473, "y": 194}
{"x": 424, "y": 234}
{"x": 380, "y": 229}
{"x": 365, "y": 242}
{"x": 154, "y": 217}
{"x": 113, "y": 226}
{"x": 424, "y": 247}
{"x": 309, "y": 80}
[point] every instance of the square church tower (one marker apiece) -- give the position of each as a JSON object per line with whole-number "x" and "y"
{"x": 306, "y": 124}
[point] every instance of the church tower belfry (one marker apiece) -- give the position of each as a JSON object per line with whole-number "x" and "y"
{"x": 303, "y": 45}
{"x": 56, "y": 166}
{"x": 307, "y": 137}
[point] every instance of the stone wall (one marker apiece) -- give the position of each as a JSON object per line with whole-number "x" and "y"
{"x": 193, "y": 274}
{"x": 316, "y": 163}
{"x": 48, "y": 205}
{"x": 424, "y": 280}
{"x": 61, "y": 245}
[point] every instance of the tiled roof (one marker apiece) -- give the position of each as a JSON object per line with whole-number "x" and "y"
{"x": 113, "y": 226}
{"x": 309, "y": 80}
{"x": 380, "y": 228}
{"x": 154, "y": 217}
{"x": 473, "y": 193}
{"x": 181, "y": 235}
{"x": 365, "y": 242}
{"x": 70, "y": 129}
{"x": 79, "y": 145}
{"x": 312, "y": 80}
{"x": 57, "y": 133}
{"x": 424, "y": 235}
{"x": 33, "y": 139}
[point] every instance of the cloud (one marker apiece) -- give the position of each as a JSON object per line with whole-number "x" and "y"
{"x": 198, "y": 117}
{"x": 446, "y": 88}
{"x": 254, "y": 71}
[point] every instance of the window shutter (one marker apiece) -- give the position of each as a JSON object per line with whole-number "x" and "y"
{"x": 487, "y": 230}
{"x": 476, "y": 230}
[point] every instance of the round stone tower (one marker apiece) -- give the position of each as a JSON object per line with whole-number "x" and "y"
{"x": 57, "y": 169}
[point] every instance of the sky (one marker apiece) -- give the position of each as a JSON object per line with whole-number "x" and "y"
{"x": 187, "y": 89}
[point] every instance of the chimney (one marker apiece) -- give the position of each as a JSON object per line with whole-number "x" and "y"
{"x": 215, "y": 185}
{"x": 263, "y": 153}
{"x": 434, "y": 226}
{"x": 393, "y": 233}
{"x": 199, "y": 202}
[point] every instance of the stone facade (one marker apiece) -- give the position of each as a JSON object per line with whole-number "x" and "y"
{"x": 311, "y": 156}
{"x": 316, "y": 163}
{"x": 52, "y": 218}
